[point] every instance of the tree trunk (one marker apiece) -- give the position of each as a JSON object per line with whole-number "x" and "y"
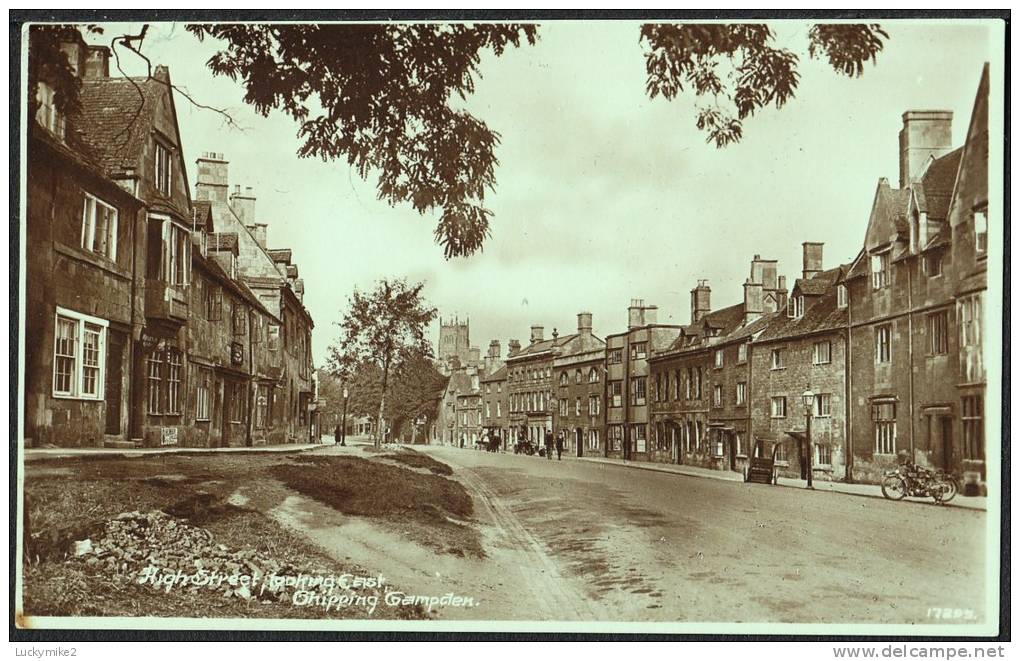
{"x": 380, "y": 428}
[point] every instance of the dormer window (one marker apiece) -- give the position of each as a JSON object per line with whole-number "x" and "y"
{"x": 932, "y": 264}
{"x": 164, "y": 169}
{"x": 981, "y": 231}
{"x": 47, "y": 114}
{"x": 795, "y": 307}
{"x": 880, "y": 271}
{"x": 842, "y": 297}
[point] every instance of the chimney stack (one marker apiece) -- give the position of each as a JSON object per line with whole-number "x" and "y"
{"x": 812, "y": 259}
{"x": 513, "y": 347}
{"x": 925, "y": 133}
{"x": 211, "y": 184}
{"x": 536, "y": 333}
{"x": 584, "y": 324}
{"x": 494, "y": 349}
{"x": 244, "y": 205}
{"x": 474, "y": 356}
{"x": 781, "y": 294}
{"x": 97, "y": 63}
{"x": 753, "y": 303}
{"x": 701, "y": 301}
{"x": 636, "y": 313}
{"x": 764, "y": 272}
{"x": 260, "y": 231}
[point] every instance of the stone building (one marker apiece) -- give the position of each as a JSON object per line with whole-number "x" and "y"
{"x": 233, "y": 364}
{"x": 446, "y": 426}
{"x": 273, "y": 278}
{"x": 579, "y": 374}
{"x": 84, "y": 310}
{"x": 131, "y": 126}
{"x": 702, "y": 380}
{"x": 916, "y": 305}
{"x": 530, "y": 381}
{"x": 455, "y": 350}
{"x": 468, "y": 409}
{"x": 627, "y": 381}
{"x": 149, "y": 333}
{"x": 804, "y": 348}
{"x": 496, "y": 397}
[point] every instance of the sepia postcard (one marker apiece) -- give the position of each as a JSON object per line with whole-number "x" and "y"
{"x": 528, "y": 324}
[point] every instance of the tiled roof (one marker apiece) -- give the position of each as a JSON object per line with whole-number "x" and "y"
{"x": 223, "y": 241}
{"x": 817, "y": 285}
{"x": 935, "y": 190}
{"x": 116, "y": 115}
{"x": 203, "y": 216}
{"x": 280, "y": 255}
{"x": 498, "y": 375}
{"x": 221, "y": 276}
{"x": 544, "y": 345}
{"x": 823, "y": 314}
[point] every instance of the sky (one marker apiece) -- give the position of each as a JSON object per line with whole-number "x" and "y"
{"x": 602, "y": 195}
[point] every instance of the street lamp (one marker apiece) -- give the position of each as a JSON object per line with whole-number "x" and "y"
{"x": 343, "y": 426}
{"x": 809, "y": 405}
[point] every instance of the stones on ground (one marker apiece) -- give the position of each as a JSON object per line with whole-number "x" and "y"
{"x": 135, "y": 542}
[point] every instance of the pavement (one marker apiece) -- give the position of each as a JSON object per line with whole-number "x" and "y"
{"x": 604, "y": 541}
{"x": 865, "y": 490}
{"x": 44, "y": 453}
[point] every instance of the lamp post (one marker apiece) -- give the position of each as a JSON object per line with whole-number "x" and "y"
{"x": 343, "y": 425}
{"x": 809, "y": 404}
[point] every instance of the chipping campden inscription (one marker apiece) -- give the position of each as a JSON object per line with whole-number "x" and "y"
{"x": 327, "y": 592}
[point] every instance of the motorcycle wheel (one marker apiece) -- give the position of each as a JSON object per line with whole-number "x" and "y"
{"x": 949, "y": 489}
{"x": 894, "y": 488}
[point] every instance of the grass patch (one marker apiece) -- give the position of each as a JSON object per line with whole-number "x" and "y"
{"x": 428, "y": 508}
{"x": 418, "y": 460}
{"x": 73, "y": 499}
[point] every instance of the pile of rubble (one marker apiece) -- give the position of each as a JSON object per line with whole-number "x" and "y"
{"x": 135, "y": 545}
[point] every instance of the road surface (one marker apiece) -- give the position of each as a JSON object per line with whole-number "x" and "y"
{"x": 577, "y": 540}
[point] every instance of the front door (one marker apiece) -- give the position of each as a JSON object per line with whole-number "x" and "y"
{"x": 114, "y": 380}
{"x": 946, "y": 429}
{"x": 579, "y": 441}
{"x": 225, "y": 413}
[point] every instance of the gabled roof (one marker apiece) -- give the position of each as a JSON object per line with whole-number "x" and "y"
{"x": 888, "y": 215}
{"x": 819, "y": 284}
{"x": 821, "y": 315}
{"x": 498, "y": 375}
{"x": 934, "y": 191}
{"x": 202, "y": 215}
{"x": 543, "y": 346}
{"x": 238, "y": 288}
{"x": 116, "y": 115}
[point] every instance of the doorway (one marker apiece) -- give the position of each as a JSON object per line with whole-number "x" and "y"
{"x": 579, "y": 441}
{"x": 946, "y": 434}
{"x": 114, "y": 380}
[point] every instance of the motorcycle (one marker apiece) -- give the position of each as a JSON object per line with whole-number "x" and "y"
{"x": 913, "y": 480}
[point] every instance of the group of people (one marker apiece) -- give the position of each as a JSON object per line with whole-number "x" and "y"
{"x": 493, "y": 443}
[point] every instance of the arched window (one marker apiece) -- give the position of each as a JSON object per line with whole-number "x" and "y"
{"x": 577, "y": 376}
{"x": 593, "y": 375}
{"x": 563, "y": 378}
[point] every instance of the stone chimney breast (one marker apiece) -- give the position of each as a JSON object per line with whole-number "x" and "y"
{"x": 925, "y": 134}
{"x": 812, "y": 259}
{"x": 537, "y": 333}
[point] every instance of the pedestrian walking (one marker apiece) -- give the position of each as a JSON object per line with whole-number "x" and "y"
{"x": 559, "y": 447}
{"x": 337, "y": 437}
{"x": 548, "y": 444}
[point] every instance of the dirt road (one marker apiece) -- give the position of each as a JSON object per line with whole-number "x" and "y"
{"x": 574, "y": 540}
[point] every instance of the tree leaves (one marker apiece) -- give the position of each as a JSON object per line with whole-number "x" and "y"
{"x": 757, "y": 73}
{"x": 385, "y": 328}
{"x": 379, "y": 97}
